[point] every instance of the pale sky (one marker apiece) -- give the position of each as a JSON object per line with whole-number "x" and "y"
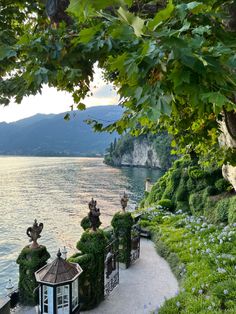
{"x": 53, "y": 101}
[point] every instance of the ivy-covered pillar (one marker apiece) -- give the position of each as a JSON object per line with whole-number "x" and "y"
{"x": 31, "y": 259}
{"x": 91, "y": 245}
{"x": 122, "y": 223}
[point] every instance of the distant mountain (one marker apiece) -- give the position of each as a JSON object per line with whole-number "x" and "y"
{"x": 51, "y": 135}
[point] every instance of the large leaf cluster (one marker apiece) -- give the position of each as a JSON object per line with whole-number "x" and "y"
{"x": 173, "y": 68}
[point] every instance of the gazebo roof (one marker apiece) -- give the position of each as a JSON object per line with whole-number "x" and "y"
{"x": 58, "y": 271}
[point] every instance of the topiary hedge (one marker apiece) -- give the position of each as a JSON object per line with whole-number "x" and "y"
{"x": 30, "y": 260}
{"x": 191, "y": 188}
{"x": 87, "y": 293}
{"x": 122, "y": 224}
{"x": 92, "y": 245}
{"x": 86, "y": 223}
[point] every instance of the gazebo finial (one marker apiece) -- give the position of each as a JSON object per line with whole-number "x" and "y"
{"x": 59, "y": 253}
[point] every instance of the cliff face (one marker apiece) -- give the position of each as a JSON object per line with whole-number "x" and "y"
{"x": 142, "y": 155}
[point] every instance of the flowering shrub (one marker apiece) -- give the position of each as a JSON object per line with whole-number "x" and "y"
{"x": 203, "y": 257}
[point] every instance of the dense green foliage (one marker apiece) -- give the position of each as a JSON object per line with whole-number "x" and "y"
{"x": 191, "y": 188}
{"x": 122, "y": 224}
{"x": 85, "y": 223}
{"x": 91, "y": 259}
{"x": 173, "y": 62}
{"x": 30, "y": 260}
{"x": 202, "y": 256}
{"x": 89, "y": 297}
{"x": 161, "y": 143}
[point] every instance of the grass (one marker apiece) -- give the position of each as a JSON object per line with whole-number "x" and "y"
{"x": 203, "y": 257}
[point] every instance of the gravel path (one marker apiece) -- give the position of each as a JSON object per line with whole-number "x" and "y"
{"x": 142, "y": 289}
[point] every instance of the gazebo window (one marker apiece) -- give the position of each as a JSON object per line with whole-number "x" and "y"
{"x": 45, "y": 299}
{"x": 63, "y": 297}
{"x": 75, "y": 294}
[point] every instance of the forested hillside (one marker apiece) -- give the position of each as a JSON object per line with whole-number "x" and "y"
{"x": 51, "y": 135}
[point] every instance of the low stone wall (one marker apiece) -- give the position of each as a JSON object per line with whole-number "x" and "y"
{"x": 5, "y": 306}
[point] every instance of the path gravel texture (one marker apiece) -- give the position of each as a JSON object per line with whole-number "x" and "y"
{"x": 143, "y": 287}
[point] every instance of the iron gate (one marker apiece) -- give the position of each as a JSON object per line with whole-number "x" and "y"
{"x": 111, "y": 267}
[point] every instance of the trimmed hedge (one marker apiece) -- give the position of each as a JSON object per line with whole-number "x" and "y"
{"x": 30, "y": 260}
{"x": 122, "y": 224}
{"x": 92, "y": 245}
{"x": 190, "y": 188}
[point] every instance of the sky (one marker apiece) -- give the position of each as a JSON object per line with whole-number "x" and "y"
{"x": 53, "y": 101}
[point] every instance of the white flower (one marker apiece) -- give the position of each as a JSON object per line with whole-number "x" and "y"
{"x": 193, "y": 289}
{"x": 178, "y": 304}
{"x": 221, "y": 270}
{"x": 226, "y": 291}
{"x": 200, "y": 291}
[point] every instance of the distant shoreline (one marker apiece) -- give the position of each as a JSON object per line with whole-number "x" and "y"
{"x": 44, "y": 156}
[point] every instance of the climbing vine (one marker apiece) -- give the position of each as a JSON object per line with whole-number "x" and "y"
{"x": 30, "y": 260}
{"x": 91, "y": 259}
{"x": 122, "y": 224}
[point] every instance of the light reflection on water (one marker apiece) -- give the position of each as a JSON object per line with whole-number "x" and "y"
{"x": 56, "y": 191}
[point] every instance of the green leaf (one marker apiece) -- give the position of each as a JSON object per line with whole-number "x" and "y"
{"x": 67, "y": 117}
{"x": 87, "y": 34}
{"x": 138, "y": 93}
{"x": 161, "y": 16}
{"x": 6, "y": 52}
{"x": 216, "y": 98}
{"x": 136, "y": 22}
{"x": 83, "y": 7}
{"x": 196, "y": 7}
{"x": 81, "y": 106}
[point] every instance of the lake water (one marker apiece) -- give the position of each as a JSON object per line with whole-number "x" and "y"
{"x": 56, "y": 191}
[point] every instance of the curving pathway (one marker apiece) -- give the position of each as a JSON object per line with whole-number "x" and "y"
{"x": 143, "y": 287}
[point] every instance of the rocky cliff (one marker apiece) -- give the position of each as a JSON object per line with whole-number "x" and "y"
{"x": 228, "y": 171}
{"x": 142, "y": 154}
{"x": 149, "y": 150}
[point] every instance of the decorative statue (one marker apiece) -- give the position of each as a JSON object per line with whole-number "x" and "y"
{"x": 124, "y": 201}
{"x": 94, "y": 214}
{"x": 34, "y": 233}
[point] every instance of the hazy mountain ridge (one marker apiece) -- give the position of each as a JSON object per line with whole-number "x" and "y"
{"x": 52, "y": 135}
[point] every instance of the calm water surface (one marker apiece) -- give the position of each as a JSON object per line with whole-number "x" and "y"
{"x": 56, "y": 191}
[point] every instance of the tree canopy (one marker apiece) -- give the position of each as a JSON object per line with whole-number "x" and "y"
{"x": 173, "y": 62}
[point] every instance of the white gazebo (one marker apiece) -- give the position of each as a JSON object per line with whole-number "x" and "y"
{"x": 59, "y": 287}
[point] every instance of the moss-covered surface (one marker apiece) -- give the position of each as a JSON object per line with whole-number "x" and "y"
{"x": 91, "y": 259}
{"x": 30, "y": 260}
{"x": 122, "y": 224}
{"x": 202, "y": 256}
{"x": 188, "y": 187}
